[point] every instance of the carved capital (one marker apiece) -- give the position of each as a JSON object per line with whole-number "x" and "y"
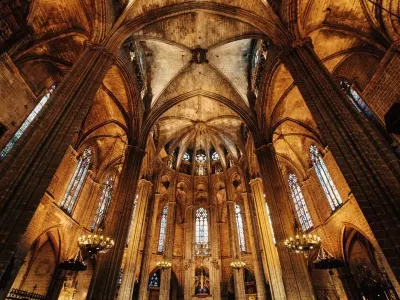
{"x": 255, "y": 181}
{"x": 306, "y": 42}
{"x": 290, "y": 48}
{"x": 264, "y": 147}
{"x": 101, "y": 49}
{"x": 395, "y": 47}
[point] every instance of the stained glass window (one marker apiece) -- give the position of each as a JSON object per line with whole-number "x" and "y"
{"x": 11, "y": 143}
{"x": 132, "y": 220}
{"x": 299, "y": 203}
{"x": 363, "y": 108}
{"x": 201, "y": 157}
{"x": 104, "y": 203}
{"x": 356, "y": 99}
{"x": 215, "y": 156}
{"x": 77, "y": 181}
{"x": 270, "y": 222}
{"x": 154, "y": 280}
{"x": 240, "y": 229}
{"x": 325, "y": 178}
{"x": 186, "y": 156}
{"x": 201, "y": 225}
{"x": 163, "y": 229}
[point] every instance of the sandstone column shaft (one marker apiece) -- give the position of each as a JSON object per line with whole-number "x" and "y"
{"x": 272, "y": 269}
{"x": 139, "y": 220}
{"x": 168, "y": 251}
{"x": 235, "y": 251}
{"x": 364, "y": 157}
{"x": 105, "y": 278}
{"x": 260, "y": 279}
{"x": 294, "y": 272}
{"x": 28, "y": 169}
{"x": 150, "y": 236}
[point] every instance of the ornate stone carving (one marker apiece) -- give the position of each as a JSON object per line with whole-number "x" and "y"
{"x": 215, "y": 263}
{"x": 199, "y": 56}
{"x": 181, "y": 199}
{"x": 201, "y": 195}
{"x": 221, "y": 204}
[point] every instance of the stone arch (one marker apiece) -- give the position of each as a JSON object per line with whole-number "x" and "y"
{"x": 243, "y": 112}
{"x": 36, "y": 273}
{"x": 273, "y": 29}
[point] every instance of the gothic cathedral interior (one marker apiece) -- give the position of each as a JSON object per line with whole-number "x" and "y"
{"x": 187, "y": 149}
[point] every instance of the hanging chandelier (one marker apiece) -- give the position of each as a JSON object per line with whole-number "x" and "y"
{"x": 164, "y": 264}
{"x": 238, "y": 264}
{"x": 303, "y": 243}
{"x": 326, "y": 261}
{"x": 94, "y": 244}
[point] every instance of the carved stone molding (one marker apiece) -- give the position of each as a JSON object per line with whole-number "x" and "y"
{"x": 199, "y": 56}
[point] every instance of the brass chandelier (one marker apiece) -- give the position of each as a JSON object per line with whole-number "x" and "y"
{"x": 303, "y": 243}
{"x": 164, "y": 264}
{"x": 238, "y": 264}
{"x": 94, "y": 244}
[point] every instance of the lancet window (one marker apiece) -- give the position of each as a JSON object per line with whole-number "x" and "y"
{"x": 154, "y": 280}
{"x": 163, "y": 229}
{"x": 104, "y": 203}
{"x": 363, "y": 108}
{"x": 240, "y": 229}
{"x": 325, "y": 178}
{"x": 31, "y": 117}
{"x": 201, "y": 225}
{"x": 299, "y": 203}
{"x": 215, "y": 156}
{"x": 77, "y": 181}
{"x": 270, "y": 222}
{"x": 132, "y": 220}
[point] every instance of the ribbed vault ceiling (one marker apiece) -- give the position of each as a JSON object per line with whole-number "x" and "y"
{"x": 347, "y": 36}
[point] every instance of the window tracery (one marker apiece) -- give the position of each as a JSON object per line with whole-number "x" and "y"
{"x": 154, "y": 280}
{"x": 31, "y": 117}
{"x": 104, "y": 203}
{"x": 186, "y": 156}
{"x": 163, "y": 229}
{"x": 201, "y": 157}
{"x": 240, "y": 229}
{"x": 325, "y": 178}
{"x": 201, "y": 225}
{"x": 299, "y": 203}
{"x": 77, "y": 181}
{"x": 215, "y": 156}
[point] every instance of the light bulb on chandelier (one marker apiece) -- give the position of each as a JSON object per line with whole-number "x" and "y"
{"x": 163, "y": 264}
{"x": 303, "y": 243}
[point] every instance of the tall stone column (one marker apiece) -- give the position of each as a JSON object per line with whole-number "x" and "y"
{"x": 105, "y": 278}
{"x": 139, "y": 220}
{"x": 215, "y": 265}
{"x": 189, "y": 260}
{"x": 168, "y": 251}
{"x": 258, "y": 273}
{"x": 294, "y": 272}
{"x": 150, "y": 235}
{"x": 272, "y": 269}
{"x": 365, "y": 159}
{"x": 28, "y": 169}
{"x": 238, "y": 275}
